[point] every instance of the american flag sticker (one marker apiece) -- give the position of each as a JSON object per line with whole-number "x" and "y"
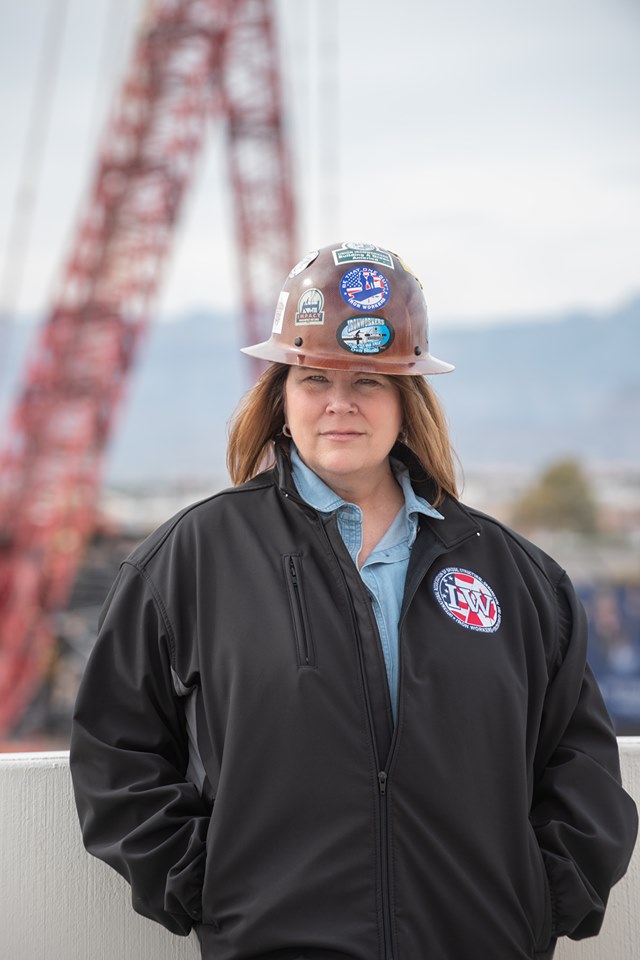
{"x": 467, "y": 599}
{"x": 364, "y": 288}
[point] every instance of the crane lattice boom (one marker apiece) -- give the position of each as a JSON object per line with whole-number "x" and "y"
{"x": 192, "y": 59}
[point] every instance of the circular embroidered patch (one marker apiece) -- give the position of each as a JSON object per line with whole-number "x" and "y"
{"x": 467, "y": 599}
{"x": 364, "y": 288}
{"x": 365, "y": 335}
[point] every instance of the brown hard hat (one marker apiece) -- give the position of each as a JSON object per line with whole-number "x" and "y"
{"x": 352, "y": 306}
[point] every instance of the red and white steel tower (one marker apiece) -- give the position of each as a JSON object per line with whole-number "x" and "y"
{"x": 192, "y": 59}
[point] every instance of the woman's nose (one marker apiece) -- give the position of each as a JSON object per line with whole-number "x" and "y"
{"x": 341, "y": 400}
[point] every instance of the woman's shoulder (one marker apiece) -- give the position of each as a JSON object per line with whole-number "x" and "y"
{"x": 188, "y": 523}
{"x": 515, "y": 545}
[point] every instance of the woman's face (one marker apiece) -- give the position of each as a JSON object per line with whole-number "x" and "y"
{"x": 344, "y": 423}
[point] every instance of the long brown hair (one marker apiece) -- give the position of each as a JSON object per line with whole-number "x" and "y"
{"x": 259, "y": 420}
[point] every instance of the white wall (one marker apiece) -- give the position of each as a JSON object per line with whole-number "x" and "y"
{"x": 57, "y": 903}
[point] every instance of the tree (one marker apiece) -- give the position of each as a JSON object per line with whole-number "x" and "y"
{"x": 561, "y": 499}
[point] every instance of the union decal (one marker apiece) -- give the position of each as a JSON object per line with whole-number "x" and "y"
{"x": 363, "y": 253}
{"x": 310, "y": 307}
{"x": 365, "y": 335}
{"x": 467, "y": 599}
{"x": 364, "y": 288}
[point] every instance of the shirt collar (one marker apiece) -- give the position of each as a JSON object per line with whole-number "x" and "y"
{"x": 322, "y": 498}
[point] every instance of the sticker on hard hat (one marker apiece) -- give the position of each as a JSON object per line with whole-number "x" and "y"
{"x": 409, "y": 270}
{"x": 279, "y": 314}
{"x": 303, "y": 264}
{"x": 362, "y": 253}
{"x": 467, "y": 599}
{"x": 310, "y": 307}
{"x": 365, "y": 335}
{"x": 365, "y": 288}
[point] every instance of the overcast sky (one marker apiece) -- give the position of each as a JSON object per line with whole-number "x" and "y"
{"x": 495, "y": 145}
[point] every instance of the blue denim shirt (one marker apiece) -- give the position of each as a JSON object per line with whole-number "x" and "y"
{"x": 385, "y": 569}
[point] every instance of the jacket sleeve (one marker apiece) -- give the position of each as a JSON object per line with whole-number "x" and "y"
{"x": 129, "y": 754}
{"x": 585, "y": 822}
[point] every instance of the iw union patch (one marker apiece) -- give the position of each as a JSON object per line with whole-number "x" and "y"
{"x": 467, "y": 599}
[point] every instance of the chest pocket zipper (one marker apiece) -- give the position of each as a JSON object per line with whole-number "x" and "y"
{"x": 301, "y": 628}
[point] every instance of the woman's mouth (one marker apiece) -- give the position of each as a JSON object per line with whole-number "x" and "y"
{"x": 340, "y": 435}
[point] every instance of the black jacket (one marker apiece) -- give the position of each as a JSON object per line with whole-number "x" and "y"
{"x": 233, "y": 753}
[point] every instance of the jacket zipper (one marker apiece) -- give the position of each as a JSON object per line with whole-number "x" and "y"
{"x": 384, "y": 865}
{"x": 382, "y": 777}
{"x": 303, "y": 641}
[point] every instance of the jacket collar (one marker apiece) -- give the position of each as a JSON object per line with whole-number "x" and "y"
{"x": 458, "y": 523}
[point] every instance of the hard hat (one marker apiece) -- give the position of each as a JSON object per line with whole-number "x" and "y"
{"x": 351, "y": 306}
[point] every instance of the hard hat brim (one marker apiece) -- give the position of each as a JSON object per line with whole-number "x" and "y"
{"x": 374, "y": 363}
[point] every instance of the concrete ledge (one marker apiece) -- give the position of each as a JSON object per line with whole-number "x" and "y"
{"x": 57, "y": 903}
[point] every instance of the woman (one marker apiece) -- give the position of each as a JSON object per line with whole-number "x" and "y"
{"x": 332, "y": 713}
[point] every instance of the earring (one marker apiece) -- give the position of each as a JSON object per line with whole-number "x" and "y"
{"x": 285, "y": 431}
{"x": 402, "y": 437}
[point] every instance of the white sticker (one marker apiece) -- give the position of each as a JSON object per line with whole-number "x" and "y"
{"x": 303, "y": 264}
{"x": 279, "y": 314}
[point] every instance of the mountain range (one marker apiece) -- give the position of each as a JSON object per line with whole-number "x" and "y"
{"x": 523, "y": 393}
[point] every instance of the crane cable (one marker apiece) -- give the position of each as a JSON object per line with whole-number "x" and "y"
{"x": 116, "y": 33}
{"x": 328, "y": 39}
{"x": 25, "y": 198}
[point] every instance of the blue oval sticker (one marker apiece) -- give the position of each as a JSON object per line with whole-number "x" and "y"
{"x": 365, "y": 335}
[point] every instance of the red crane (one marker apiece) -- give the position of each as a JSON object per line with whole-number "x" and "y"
{"x": 192, "y": 58}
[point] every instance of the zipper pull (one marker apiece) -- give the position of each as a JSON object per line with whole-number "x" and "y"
{"x": 382, "y": 782}
{"x": 292, "y": 572}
